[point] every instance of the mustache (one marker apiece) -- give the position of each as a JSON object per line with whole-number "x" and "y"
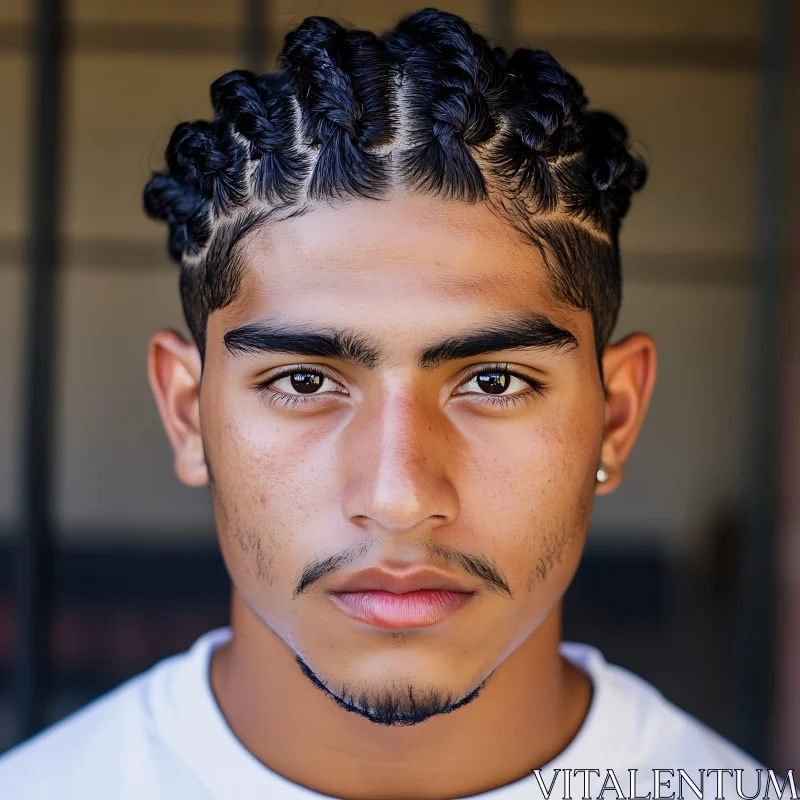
{"x": 474, "y": 564}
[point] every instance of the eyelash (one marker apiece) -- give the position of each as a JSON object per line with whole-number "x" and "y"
{"x": 289, "y": 400}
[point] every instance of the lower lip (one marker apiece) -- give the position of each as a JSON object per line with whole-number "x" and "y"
{"x": 408, "y": 610}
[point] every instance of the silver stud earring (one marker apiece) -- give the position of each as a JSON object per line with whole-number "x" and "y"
{"x": 602, "y": 474}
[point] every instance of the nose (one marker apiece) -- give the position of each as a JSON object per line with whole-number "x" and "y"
{"x": 398, "y": 463}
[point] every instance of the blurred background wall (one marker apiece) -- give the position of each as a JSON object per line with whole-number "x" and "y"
{"x": 137, "y": 571}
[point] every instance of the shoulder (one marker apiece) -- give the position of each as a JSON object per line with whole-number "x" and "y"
{"x": 652, "y": 731}
{"x": 673, "y": 738}
{"x": 110, "y": 748}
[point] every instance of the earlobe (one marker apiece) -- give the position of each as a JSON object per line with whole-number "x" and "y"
{"x": 174, "y": 369}
{"x": 629, "y": 369}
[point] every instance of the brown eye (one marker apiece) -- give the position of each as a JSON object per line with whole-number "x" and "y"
{"x": 306, "y": 382}
{"x": 497, "y": 382}
{"x": 498, "y": 385}
{"x": 299, "y": 385}
{"x": 493, "y": 382}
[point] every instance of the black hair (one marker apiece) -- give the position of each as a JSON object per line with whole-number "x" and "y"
{"x": 431, "y": 105}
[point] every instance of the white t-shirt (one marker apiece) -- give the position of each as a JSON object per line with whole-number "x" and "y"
{"x": 162, "y": 736}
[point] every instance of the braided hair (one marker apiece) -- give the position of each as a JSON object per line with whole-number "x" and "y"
{"x": 429, "y": 105}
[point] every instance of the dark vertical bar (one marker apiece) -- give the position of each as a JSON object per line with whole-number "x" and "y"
{"x": 756, "y": 620}
{"x": 254, "y": 35}
{"x": 35, "y": 566}
{"x": 785, "y": 729}
{"x": 500, "y": 23}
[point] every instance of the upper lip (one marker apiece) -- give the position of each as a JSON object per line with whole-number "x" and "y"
{"x": 377, "y": 579}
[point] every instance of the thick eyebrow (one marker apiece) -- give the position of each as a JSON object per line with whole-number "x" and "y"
{"x": 534, "y": 331}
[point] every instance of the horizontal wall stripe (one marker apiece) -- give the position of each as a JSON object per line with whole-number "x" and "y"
{"x": 653, "y": 52}
{"x": 137, "y": 38}
{"x": 700, "y": 52}
{"x": 642, "y": 267}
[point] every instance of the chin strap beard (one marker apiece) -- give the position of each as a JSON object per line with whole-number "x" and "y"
{"x": 392, "y": 708}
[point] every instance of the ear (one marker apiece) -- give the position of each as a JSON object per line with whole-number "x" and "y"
{"x": 174, "y": 369}
{"x": 629, "y": 371}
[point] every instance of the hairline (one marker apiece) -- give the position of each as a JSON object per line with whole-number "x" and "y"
{"x": 251, "y": 220}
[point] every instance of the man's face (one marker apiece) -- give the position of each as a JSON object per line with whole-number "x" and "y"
{"x": 481, "y": 474}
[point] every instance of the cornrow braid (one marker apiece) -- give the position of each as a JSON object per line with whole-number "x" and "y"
{"x": 342, "y": 82}
{"x": 544, "y": 125}
{"x": 186, "y": 212}
{"x": 431, "y": 106}
{"x": 440, "y": 52}
{"x": 203, "y": 155}
{"x": 260, "y": 111}
{"x": 616, "y": 174}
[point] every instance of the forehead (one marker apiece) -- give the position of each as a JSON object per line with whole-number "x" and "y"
{"x": 386, "y": 264}
{"x": 409, "y": 242}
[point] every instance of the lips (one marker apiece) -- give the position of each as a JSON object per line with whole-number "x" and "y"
{"x": 390, "y": 600}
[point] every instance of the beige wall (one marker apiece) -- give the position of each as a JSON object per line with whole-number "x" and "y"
{"x": 659, "y": 18}
{"x": 687, "y": 246}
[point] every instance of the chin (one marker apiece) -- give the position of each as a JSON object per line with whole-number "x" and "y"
{"x": 399, "y": 691}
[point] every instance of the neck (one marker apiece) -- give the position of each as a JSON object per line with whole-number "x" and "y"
{"x": 529, "y": 710}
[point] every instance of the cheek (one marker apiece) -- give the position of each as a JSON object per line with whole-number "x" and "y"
{"x": 530, "y": 497}
{"x": 525, "y": 492}
{"x": 272, "y": 482}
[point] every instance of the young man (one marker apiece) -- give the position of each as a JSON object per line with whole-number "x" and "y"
{"x": 399, "y": 264}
